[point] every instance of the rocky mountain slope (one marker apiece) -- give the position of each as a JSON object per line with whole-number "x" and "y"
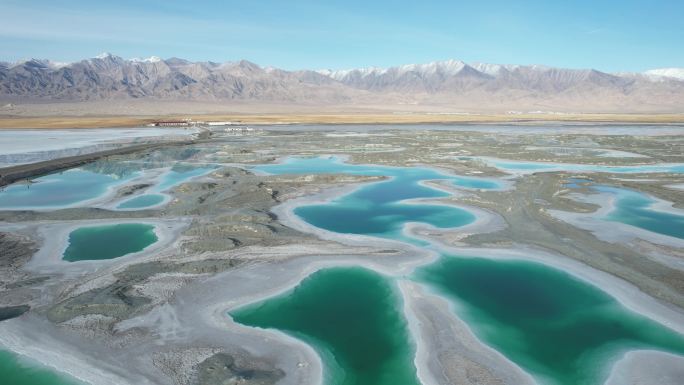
{"x": 452, "y": 83}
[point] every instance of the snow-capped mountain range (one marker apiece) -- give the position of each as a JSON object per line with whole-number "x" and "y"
{"x": 452, "y": 83}
{"x": 454, "y": 67}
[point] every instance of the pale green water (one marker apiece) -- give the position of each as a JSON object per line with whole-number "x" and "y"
{"x": 108, "y": 241}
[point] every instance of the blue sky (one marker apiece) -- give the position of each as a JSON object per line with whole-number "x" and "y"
{"x": 609, "y": 35}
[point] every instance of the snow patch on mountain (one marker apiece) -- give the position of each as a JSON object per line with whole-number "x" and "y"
{"x": 448, "y": 68}
{"x": 103, "y": 55}
{"x": 45, "y": 63}
{"x": 677, "y": 73}
{"x": 151, "y": 59}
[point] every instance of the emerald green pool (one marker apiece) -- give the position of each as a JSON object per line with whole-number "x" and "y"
{"x": 14, "y": 371}
{"x": 353, "y": 317}
{"x": 108, "y": 241}
{"x": 556, "y": 327}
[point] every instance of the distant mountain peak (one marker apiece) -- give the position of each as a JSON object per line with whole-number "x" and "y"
{"x": 103, "y": 55}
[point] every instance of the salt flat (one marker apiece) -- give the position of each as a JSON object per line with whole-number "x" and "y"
{"x": 233, "y": 234}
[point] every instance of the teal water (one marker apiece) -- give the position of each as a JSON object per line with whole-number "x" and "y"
{"x": 178, "y": 174}
{"x": 108, "y": 241}
{"x": 59, "y": 190}
{"x": 14, "y": 371}
{"x": 368, "y": 212}
{"x": 352, "y": 317}
{"x": 75, "y": 186}
{"x": 334, "y": 165}
{"x": 560, "y": 329}
{"x": 635, "y": 209}
{"x": 377, "y": 209}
